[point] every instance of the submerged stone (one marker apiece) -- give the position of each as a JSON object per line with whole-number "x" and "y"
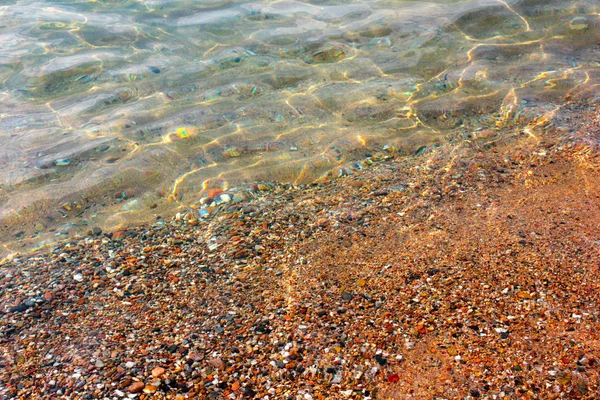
{"x": 63, "y": 162}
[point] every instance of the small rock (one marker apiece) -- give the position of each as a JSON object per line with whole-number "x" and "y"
{"x": 78, "y": 277}
{"x": 119, "y": 234}
{"x": 232, "y": 152}
{"x": 382, "y": 192}
{"x": 150, "y": 389}
{"x": 524, "y": 295}
{"x": 99, "y": 364}
{"x": 96, "y": 231}
{"x": 322, "y": 222}
{"x": 158, "y": 371}
{"x": 238, "y": 197}
{"x": 129, "y": 364}
{"x": 196, "y": 356}
{"x": 242, "y": 253}
{"x": 223, "y": 198}
{"x": 380, "y": 360}
{"x": 582, "y": 386}
{"x": 19, "y": 308}
{"x": 347, "y": 296}
{"x": 217, "y": 363}
{"x": 486, "y": 134}
{"x": 61, "y": 162}
{"x": 564, "y": 378}
{"x": 578, "y": 24}
{"x": 137, "y": 387}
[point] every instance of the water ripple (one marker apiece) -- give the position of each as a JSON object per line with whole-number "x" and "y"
{"x": 114, "y": 111}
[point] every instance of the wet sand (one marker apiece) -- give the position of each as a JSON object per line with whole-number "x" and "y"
{"x": 468, "y": 271}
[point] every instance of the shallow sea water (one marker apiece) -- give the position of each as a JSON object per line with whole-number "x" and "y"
{"x": 115, "y": 111}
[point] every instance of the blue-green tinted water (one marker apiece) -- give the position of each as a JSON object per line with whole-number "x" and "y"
{"x": 113, "y": 111}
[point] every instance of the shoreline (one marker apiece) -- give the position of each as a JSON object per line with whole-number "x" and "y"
{"x": 466, "y": 271}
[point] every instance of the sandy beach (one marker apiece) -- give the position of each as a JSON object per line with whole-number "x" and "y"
{"x": 469, "y": 270}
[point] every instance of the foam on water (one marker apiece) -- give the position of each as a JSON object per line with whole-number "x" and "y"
{"x": 115, "y": 111}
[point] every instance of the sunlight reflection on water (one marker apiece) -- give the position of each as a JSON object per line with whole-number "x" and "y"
{"x": 115, "y": 111}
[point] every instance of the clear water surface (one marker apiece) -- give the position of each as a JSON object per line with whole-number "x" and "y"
{"x": 115, "y": 111}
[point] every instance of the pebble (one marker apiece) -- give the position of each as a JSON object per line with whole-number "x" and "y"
{"x": 61, "y": 162}
{"x": 381, "y": 360}
{"x": 150, "y": 389}
{"x": 217, "y": 363}
{"x": 136, "y": 387}
{"x": 578, "y": 24}
{"x": 157, "y": 372}
{"x": 223, "y": 198}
